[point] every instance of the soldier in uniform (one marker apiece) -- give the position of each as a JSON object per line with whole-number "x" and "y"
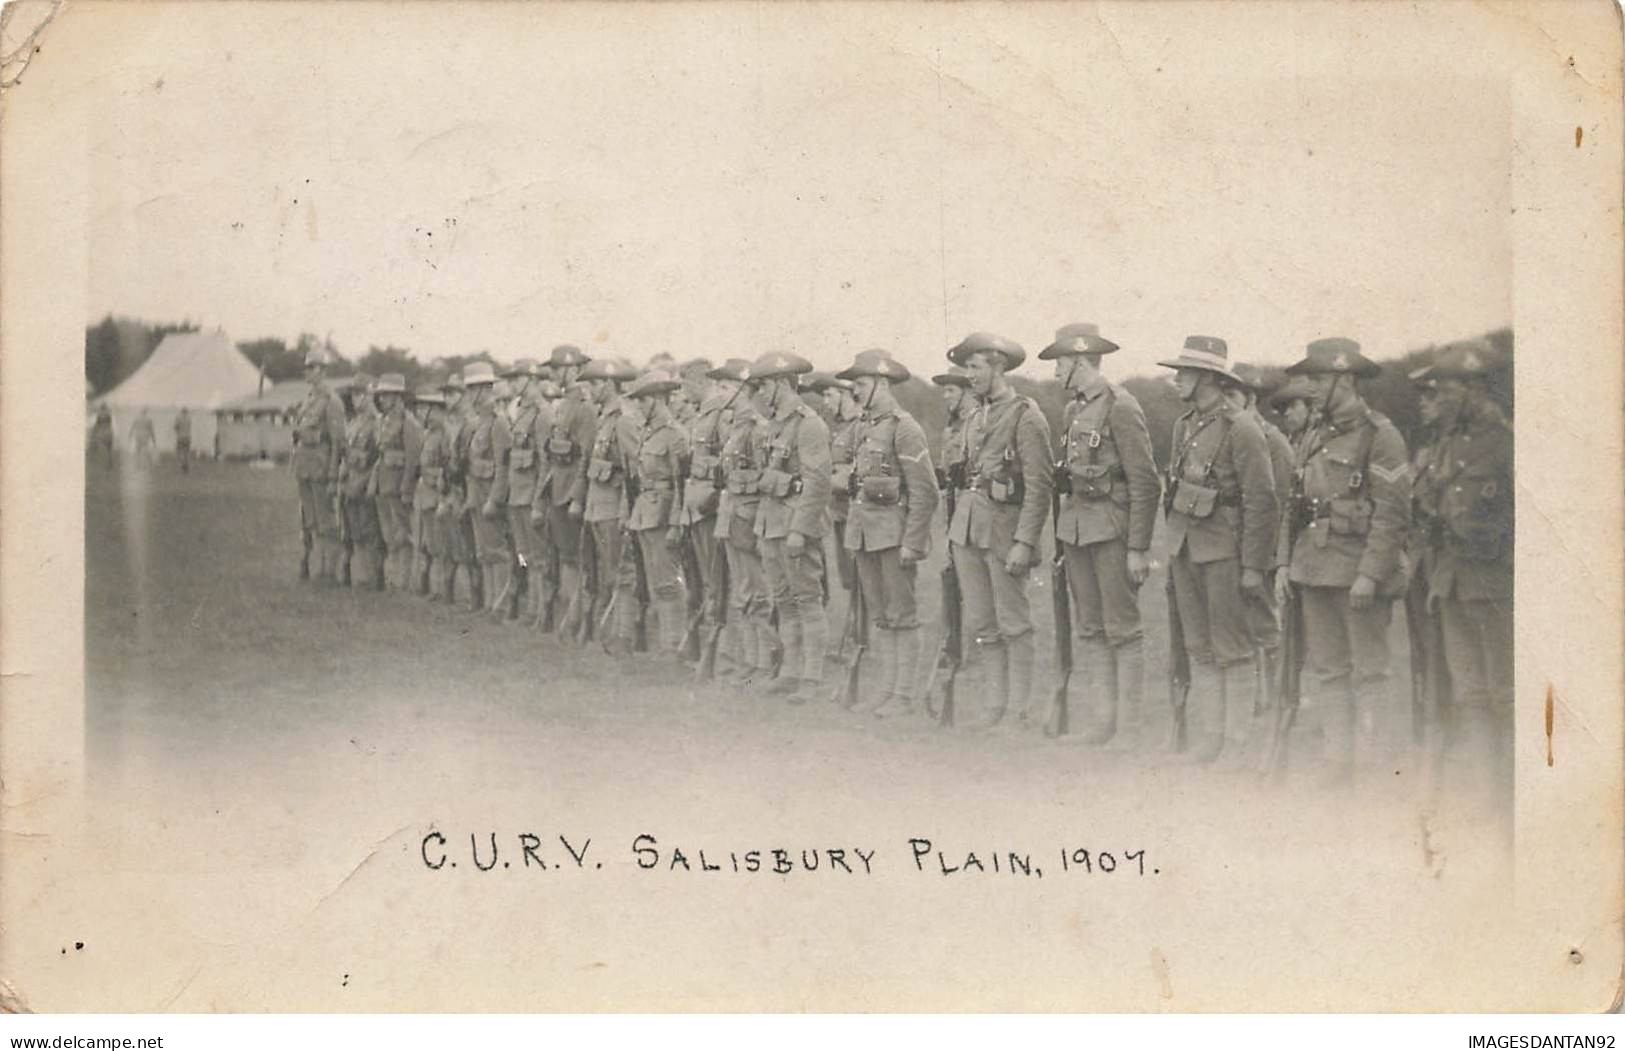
{"x": 1431, "y": 710}
{"x": 999, "y": 517}
{"x": 1341, "y": 540}
{"x": 400, "y": 439}
{"x": 794, "y": 486}
{"x": 1222, "y": 518}
{"x": 1294, "y": 400}
{"x": 454, "y": 521}
{"x": 183, "y": 439}
{"x": 615, "y": 442}
{"x": 563, "y": 485}
{"x": 960, "y": 400}
{"x": 893, "y": 492}
{"x": 428, "y": 571}
{"x": 1109, "y": 488}
{"x": 486, "y": 456}
{"x": 528, "y": 429}
{"x": 841, "y": 414}
{"x": 1470, "y": 573}
{"x": 358, "y": 482}
{"x": 318, "y": 446}
{"x": 703, "y": 488}
{"x": 743, "y": 451}
{"x": 655, "y": 520}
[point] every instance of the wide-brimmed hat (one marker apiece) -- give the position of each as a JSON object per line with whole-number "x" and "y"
{"x": 567, "y": 354}
{"x": 875, "y": 362}
{"x": 960, "y": 353}
{"x": 1083, "y": 337}
{"x": 1295, "y": 389}
{"x": 478, "y": 374}
{"x": 655, "y": 381}
{"x": 453, "y": 382}
{"x": 520, "y": 367}
{"x": 693, "y": 365}
{"x": 736, "y": 369}
{"x": 429, "y": 396}
{"x": 1334, "y": 355}
{"x": 1208, "y": 353}
{"x": 320, "y": 357}
{"x": 618, "y": 369}
{"x": 1253, "y": 377}
{"x": 390, "y": 383}
{"x": 820, "y": 381}
{"x": 1466, "y": 359}
{"x": 954, "y": 377}
{"x": 778, "y": 363}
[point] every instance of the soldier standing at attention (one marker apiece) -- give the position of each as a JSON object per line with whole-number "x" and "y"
{"x": 1222, "y": 520}
{"x": 790, "y": 520}
{"x": 428, "y": 540}
{"x": 841, "y": 414}
{"x": 1341, "y": 541}
{"x": 703, "y": 488}
{"x": 1295, "y": 402}
{"x": 489, "y": 442}
{"x": 615, "y": 437}
{"x": 101, "y": 435}
{"x": 400, "y": 439}
{"x": 894, "y": 495}
{"x": 1109, "y": 486}
{"x": 563, "y": 485}
{"x": 999, "y": 518}
{"x": 743, "y": 451}
{"x": 1470, "y": 576}
{"x": 318, "y": 445}
{"x": 454, "y": 496}
{"x": 358, "y": 481}
{"x": 183, "y": 440}
{"x": 529, "y": 430}
{"x": 1433, "y": 715}
{"x": 143, "y": 439}
{"x": 656, "y": 519}
{"x": 960, "y": 401}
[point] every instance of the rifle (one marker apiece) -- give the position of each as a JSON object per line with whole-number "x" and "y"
{"x": 1179, "y": 667}
{"x": 1060, "y": 718}
{"x": 1289, "y": 687}
{"x": 344, "y": 537}
{"x": 952, "y": 655}
{"x": 718, "y": 600}
{"x": 690, "y": 648}
{"x": 586, "y": 595}
{"x": 640, "y": 576}
{"x": 307, "y": 540}
{"x": 849, "y": 692}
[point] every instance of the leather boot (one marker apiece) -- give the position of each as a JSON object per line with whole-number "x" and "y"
{"x": 673, "y": 624}
{"x": 905, "y": 679}
{"x": 1337, "y": 725}
{"x": 1133, "y": 720}
{"x": 1022, "y": 653}
{"x": 881, "y": 658}
{"x": 995, "y": 681}
{"x": 1204, "y": 712}
{"x": 1099, "y": 682}
{"x": 420, "y": 573}
{"x": 380, "y": 573}
{"x": 326, "y": 563}
{"x": 476, "y": 587}
{"x": 570, "y": 594}
{"x": 792, "y": 663}
{"x": 744, "y": 653}
{"x": 814, "y": 641}
{"x": 304, "y": 559}
{"x": 1239, "y": 685}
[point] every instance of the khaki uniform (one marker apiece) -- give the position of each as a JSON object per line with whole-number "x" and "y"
{"x": 528, "y": 431}
{"x": 564, "y": 479}
{"x": 1471, "y": 578}
{"x": 614, "y": 437}
{"x": 894, "y": 496}
{"x": 183, "y": 440}
{"x": 460, "y": 526}
{"x": 318, "y": 437}
{"x": 702, "y": 491}
{"x": 1348, "y": 519}
{"x": 657, "y": 467}
{"x": 358, "y": 481}
{"x": 1432, "y": 710}
{"x": 743, "y": 453}
{"x": 1108, "y": 508}
{"x": 400, "y": 441}
{"x": 1009, "y": 479}
{"x": 433, "y": 544}
{"x": 794, "y": 486}
{"x": 843, "y": 450}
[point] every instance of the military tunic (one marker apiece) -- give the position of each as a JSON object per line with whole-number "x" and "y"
{"x": 706, "y": 431}
{"x": 1108, "y": 507}
{"x": 894, "y": 499}
{"x": 528, "y": 431}
{"x": 1222, "y": 517}
{"x": 358, "y": 481}
{"x": 564, "y": 479}
{"x": 318, "y": 436}
{"x": 430, "y": 534}
{"x": 489, "y": 444}
{"x": 614, "y": 439}
{"x": 1009, "y": 478}
{"x": 400, "y": 439}
{"x": 658, "y": 465}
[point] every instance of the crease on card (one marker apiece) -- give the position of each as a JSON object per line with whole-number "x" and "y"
{"x": 373, "y": 853}
{"x": 14, "y": 58}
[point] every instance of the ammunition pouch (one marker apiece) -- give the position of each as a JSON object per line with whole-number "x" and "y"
{"x": 482, "y": 467}
{"x": 561, "y": 450}
{"x": 779, "y": 484}
{"x": 880, "y": 489}
{"x": 602, "y": 470}
{"x": 1010, "y": 491}
{"x": 743, "y": 481}
{"x": 522, "y": 459}
{"x": 1193, "y": 500}
{"x": 843, "y": 479}
{"x": 1348, "y": 516}
{"x": 1092, "y": 481}
{"x": 956, "y": 475}
{"x": 394, "y": 458}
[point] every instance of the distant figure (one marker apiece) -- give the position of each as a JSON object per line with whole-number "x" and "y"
{"x": 183, "y": 440}
{"x": 144, "y": 440}
{"x": 101, "y": 435}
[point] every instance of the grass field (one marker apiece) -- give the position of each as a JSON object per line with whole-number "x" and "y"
{"x": 261, "y": 745}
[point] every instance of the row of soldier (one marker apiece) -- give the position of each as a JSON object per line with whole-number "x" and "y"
{"x": 590, "y": 494}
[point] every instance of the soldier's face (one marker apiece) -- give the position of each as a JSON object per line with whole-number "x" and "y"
{"x": 953, "y": 397}
{"x": 1186, "y": 381}
{"x": 1427, "y": 404}
{"x": 1451, "y": 397}
{"x": 832, "y": 400}
{"x": 983, "y": 367}
{"x": 761, "y": 396}
{"x": 863, "y": 390}
{"x": 1296, "y": 414}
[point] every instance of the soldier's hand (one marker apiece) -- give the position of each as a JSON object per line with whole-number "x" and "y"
{"x": 489, "y": 510}
{"x": 1020, "y": 560}
{"x": 908, "y": 556}
{"x": 575, "y": 508}
{"x": 1362, "y": 592}
{"x": 1252, "y": 583}
{"x": 1139, "y": 567}
{"x": 1283, "y": 588}
{"x": 795, "y": 543}
{"x": 674, "y": 536}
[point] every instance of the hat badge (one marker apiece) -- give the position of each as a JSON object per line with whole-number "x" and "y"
{"x": 1341, "y": 361}
{"x": 1471, "y": 362}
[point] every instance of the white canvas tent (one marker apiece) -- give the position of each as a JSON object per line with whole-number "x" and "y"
{"x": 199, "y": 371}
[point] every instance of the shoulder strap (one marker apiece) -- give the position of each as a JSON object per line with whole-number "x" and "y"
{"x": 1368, "y": 438}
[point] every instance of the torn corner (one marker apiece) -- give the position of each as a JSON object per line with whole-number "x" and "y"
{"x": 22, "y": 33}
{"x": 11, "y": 1001}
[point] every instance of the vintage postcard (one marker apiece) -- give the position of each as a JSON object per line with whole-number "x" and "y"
{"x": 1056, "y": 507}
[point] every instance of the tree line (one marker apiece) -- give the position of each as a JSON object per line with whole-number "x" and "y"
{"x": 116, "y": 346}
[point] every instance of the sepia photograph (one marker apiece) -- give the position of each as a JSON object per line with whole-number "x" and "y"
{"x": 825, "y": 507}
